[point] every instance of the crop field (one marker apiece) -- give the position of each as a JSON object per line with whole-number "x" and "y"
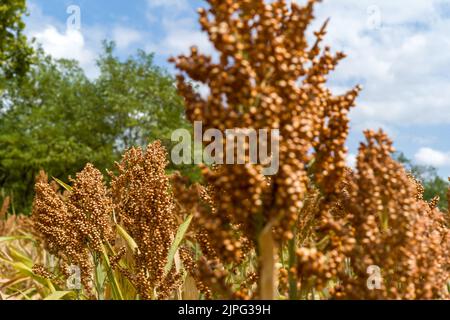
{"x": 211, "y": 219}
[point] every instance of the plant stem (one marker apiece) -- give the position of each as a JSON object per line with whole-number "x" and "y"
{"x": 267, "y": 259}
{"x": 291, "y": 277}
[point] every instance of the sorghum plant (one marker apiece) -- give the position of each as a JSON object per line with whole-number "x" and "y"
{"x": 395, "y": 229}
{"x": 144, "y": 204}
{"x": 267, "y": 77}
{"x": 78, "y": 226}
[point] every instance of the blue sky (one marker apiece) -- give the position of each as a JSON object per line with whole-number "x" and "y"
{"x": 398, "y": 50}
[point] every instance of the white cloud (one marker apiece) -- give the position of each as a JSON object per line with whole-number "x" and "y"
{"x": 403, "y": 64}
{"x": 180, "y": 28}
{"x": 60, "y": 42}
{"x": 368, "y": 123}
{"x": 124, "y": 37}
{"x": 435, "y": 158}
{"x": 182, "y": 35}
{"x": 169, "y": 4}
{"x": 351, "y": 160}
{"x": 68, "y": 45}
{"x": 157, "y": 9}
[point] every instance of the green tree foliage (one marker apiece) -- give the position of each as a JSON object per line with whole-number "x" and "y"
{"x": 15, "y": 54}
{"x": 434, "y": 185}
{"x": 57, "y": 119}
{"x": 141, "y": 98}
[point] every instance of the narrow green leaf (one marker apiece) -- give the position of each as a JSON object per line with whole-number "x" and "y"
{"x": 112, "y": 279}
{"x": 58, "y": 295}
{"x": 63, "y": 184}
{"x": 13, "y": 238}
{"x": 129, "y": 240}
{"x": 176, "y": 243}
{"x": 25, "y": 293}
{"x": 13, "y": 282}
{"x": 20, "y": 257}
{"x": 27, "y": 271}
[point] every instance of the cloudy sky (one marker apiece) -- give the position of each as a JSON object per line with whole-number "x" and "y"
{"x": 398, "y": 50}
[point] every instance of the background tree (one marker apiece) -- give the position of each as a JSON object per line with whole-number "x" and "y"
{"x": 57, "y": 119}
{"x": 140, "y": 97}
{"x": 15, "y": 54}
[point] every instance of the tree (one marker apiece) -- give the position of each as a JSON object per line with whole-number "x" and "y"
{"x": 57, "y": 119}
{"x": 15, "y": 54}
{"x": 142, "y": 102}
{"x": 53, "y": 120}
{"x": 141, "y": 98}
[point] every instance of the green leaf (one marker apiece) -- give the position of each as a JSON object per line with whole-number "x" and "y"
{"x": 112, "y": 279}
{"x": 25, "y": 293}
{"x": 129, "y": 240}
{"x": 20, "y": 257}
{"x": 58, "y": 295}
{"x": 176, "y": 243}
{"x": 27, "y": 271}
{"x": 9, "y": 239}
{"x": 13, "y": 282}
{"x": 62, "y": 184}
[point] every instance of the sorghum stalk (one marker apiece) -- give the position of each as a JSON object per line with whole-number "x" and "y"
{"x": 266, "y": 77}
